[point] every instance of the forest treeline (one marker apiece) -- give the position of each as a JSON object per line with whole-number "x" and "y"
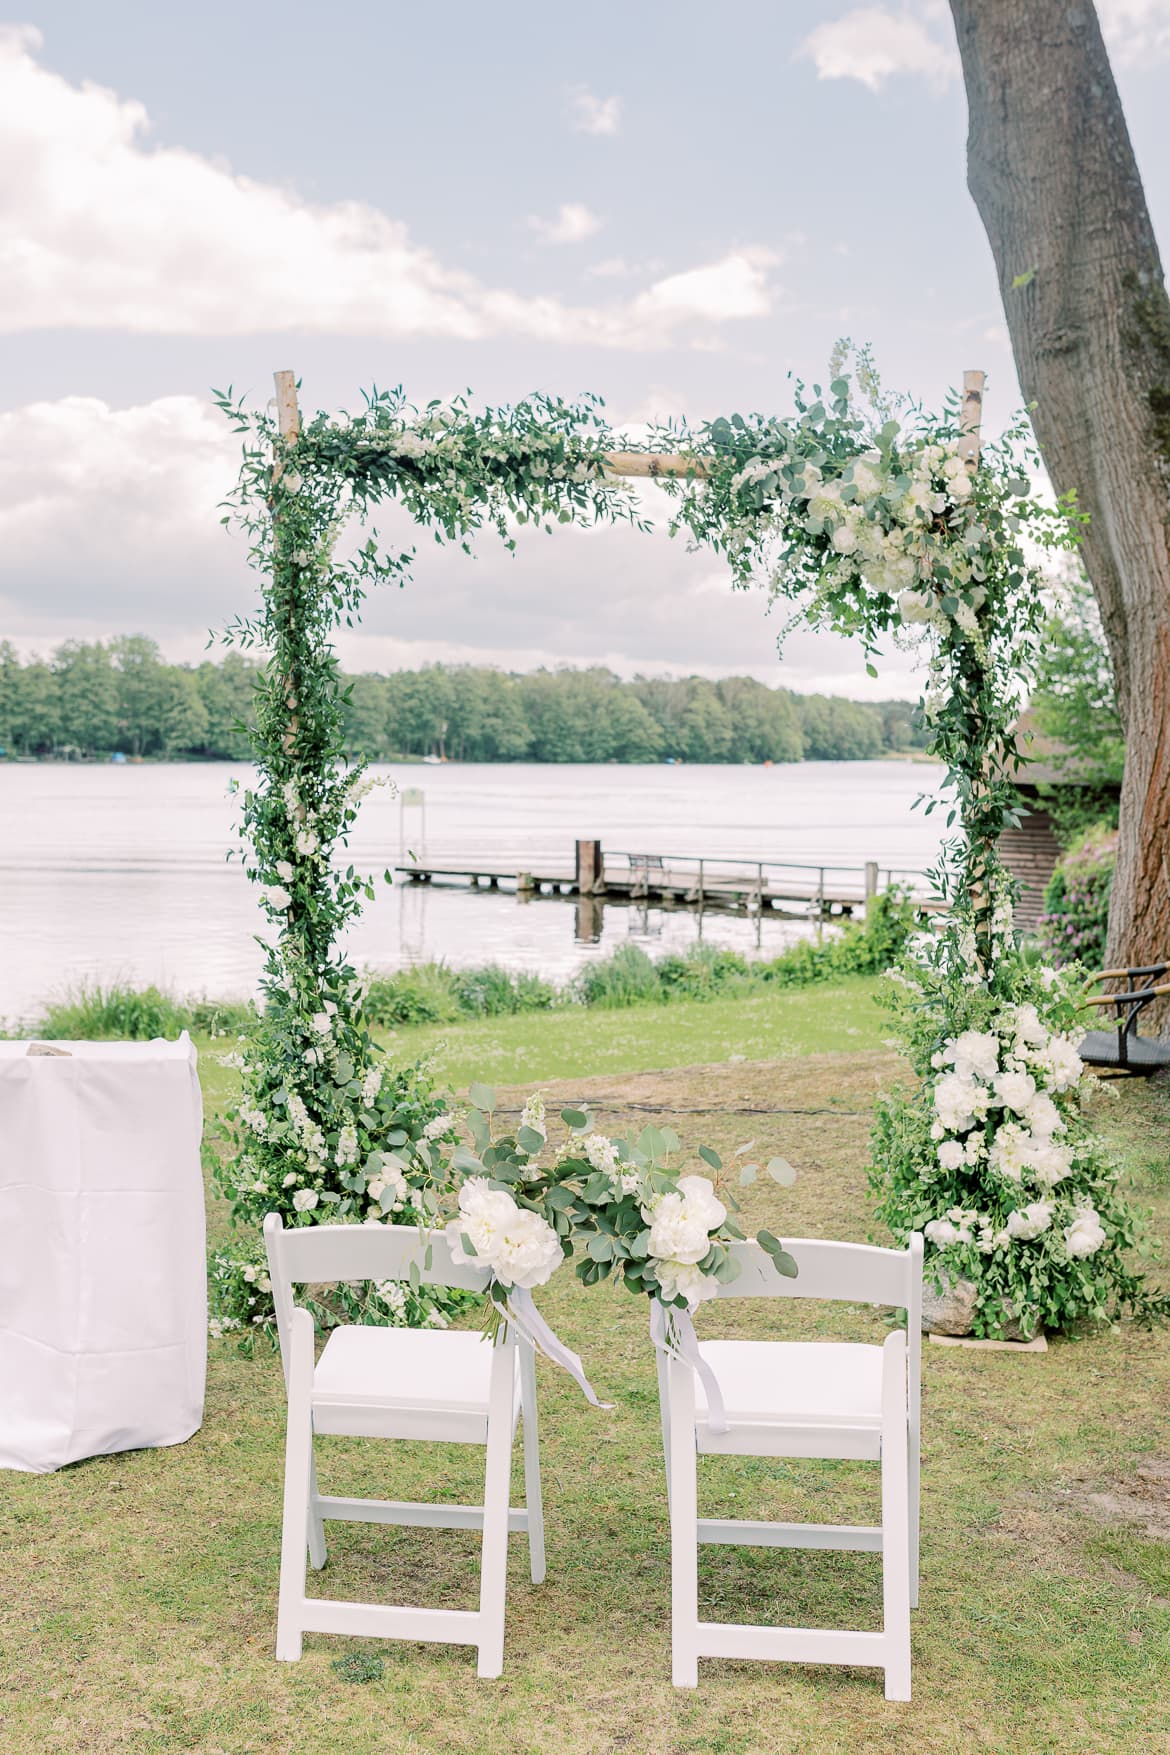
{"x": 91, "y": 699}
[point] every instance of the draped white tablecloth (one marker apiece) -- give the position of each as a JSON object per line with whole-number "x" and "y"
{"x": 103, "y": 1289}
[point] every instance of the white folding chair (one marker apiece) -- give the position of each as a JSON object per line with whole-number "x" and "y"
{"x": 804, "y": 1399}
{"x": 428, "y": 1384}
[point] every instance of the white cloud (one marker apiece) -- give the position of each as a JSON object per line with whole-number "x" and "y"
{"x": 102, "y": 230}
{"x": 737, "y": 286}
{"x": 594, "y": 115}
{"x": 1136, "y": 30}
{"x": 871, "y": 43}
{"x": 572, "y": 225}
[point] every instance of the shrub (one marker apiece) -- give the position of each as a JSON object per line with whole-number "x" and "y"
{"x": 628, "y": 977}
{"x": 1076, "y": 901}
{"x": 494, "y": 992}
{"x": 425, "y": 994}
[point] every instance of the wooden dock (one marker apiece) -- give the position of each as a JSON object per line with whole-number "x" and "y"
{"x": 743, "y": 886}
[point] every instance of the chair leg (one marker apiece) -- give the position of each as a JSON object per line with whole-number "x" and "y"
{"x": 496, "y": 1493}
{"x": 298, "y": 1462}
{"x": 915, "y": 1493}
{"x": 684, "y": 1528}
{"x": 895, "y": 1520}
{"x": 664, "y": 1415}
{"x": 533, "y": 1499}
{"x": 317, "y": 1552}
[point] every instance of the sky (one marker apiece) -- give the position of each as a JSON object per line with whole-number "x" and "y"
{"x": 675, "y": 207}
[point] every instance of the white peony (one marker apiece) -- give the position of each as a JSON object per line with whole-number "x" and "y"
{"x": 1050, "y": 1164}
{"x": 519, "y": 1247}
{"x": 844, "y": 539}
{"x": 956, "y": 1100}
{"x": 702, "y": 1200}
{"x": 1028, "y": 1222}
{"x": 1042, "y": 1116}
{"x": 322, "y": 1023}
{"x": 276, "y": 896}
{"x": 1010, "y": 1151}
{"x": 1015, "y": 1090}
{"x": 1065, "y": 1063}
{"x": 676, "y": 1234}
{"x": 1086, "y": 1234}
{"x": 916, "y": 606}
{"x": 974, "y": 1054}
{"x": 951, "y": 1155}
{"x": 305, "y": 1199}
{"x": 284, "y": 871}
{"x": 940, "y": 1232}
{"x": 307, "y": 843}
{"x": 682, "y": 1279}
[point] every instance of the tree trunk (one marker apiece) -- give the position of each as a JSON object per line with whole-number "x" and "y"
{"x": 1052, "y": 172}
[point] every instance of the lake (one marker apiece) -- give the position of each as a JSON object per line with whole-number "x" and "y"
{"x": 119, "y": 871}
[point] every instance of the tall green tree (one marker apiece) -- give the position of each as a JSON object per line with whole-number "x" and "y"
{"x": 87, "y": 697}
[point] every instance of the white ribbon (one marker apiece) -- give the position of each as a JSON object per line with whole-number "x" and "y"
{"x": 520, "y": 1309}
{"x": 673, "y": 1333}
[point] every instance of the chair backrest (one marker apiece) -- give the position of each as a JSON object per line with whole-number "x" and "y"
{"x": 322, "y": 1254}
{"x": 855, "y": 1273}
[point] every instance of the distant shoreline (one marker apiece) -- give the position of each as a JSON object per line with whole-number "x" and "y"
{"x": 112, "y": 760}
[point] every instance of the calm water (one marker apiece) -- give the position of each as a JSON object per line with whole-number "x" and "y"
{"x": 119, "y": 871}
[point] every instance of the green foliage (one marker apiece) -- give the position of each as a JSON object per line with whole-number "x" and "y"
{"x": 1075, "y": 921}
{"x": 431, "y": 993}
{"x": 115, "y": 1011}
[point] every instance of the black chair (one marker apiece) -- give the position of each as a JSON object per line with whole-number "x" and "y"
{"x": 1121, "y": 1049}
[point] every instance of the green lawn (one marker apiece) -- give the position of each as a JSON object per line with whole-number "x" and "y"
{"x": 139, "y": 1607}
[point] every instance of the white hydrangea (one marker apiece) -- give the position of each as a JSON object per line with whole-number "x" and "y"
{"x": 916, "y": 606}
{"x": 1010, "y": 1151}
{"x": 437, "y": 1126}
{"x": 389, "y": 1180}
{"x": 951, "y": 1154}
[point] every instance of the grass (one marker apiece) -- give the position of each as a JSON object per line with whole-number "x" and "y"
{"x": 141, "y": 1589}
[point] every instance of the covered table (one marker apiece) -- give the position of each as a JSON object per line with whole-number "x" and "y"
{"x": 103, "y": 1288}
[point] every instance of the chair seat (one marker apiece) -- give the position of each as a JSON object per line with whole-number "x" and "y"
{"x": 801, "y": 1383}
{"x": 1144, "y": 1054}
{"x": 396, "y": 1375}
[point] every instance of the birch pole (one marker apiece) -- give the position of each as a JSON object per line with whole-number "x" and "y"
{"x": 971, "y": 418}
{"x": 288, "y": 421}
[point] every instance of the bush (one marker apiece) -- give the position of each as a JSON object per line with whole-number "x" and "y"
{"x": 119, "y": 1012}
{"x": 628, "y": 977}
{"x": 1076, "y": 901}
{"x": 425, "y": 994}
{"x": 493, "y": 992}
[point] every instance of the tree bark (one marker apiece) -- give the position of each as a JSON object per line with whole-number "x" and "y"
{"x": 1053, "y": 175}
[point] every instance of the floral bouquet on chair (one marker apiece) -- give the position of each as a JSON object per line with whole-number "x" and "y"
{"x": 617, "y": 1206}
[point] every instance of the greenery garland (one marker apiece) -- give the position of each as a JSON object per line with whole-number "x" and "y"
{"x": 872, "y": 527}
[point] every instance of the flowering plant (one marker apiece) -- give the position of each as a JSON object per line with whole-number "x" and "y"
{"x": 993, "y": 1158}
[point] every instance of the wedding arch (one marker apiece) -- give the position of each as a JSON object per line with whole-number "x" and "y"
{"x": 874, "y": 526}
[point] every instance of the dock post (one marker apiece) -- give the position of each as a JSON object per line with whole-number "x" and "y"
{"x": 871, "y": 879}
{"x": 524, "y": 884}
{"x": 590, "y": 868}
